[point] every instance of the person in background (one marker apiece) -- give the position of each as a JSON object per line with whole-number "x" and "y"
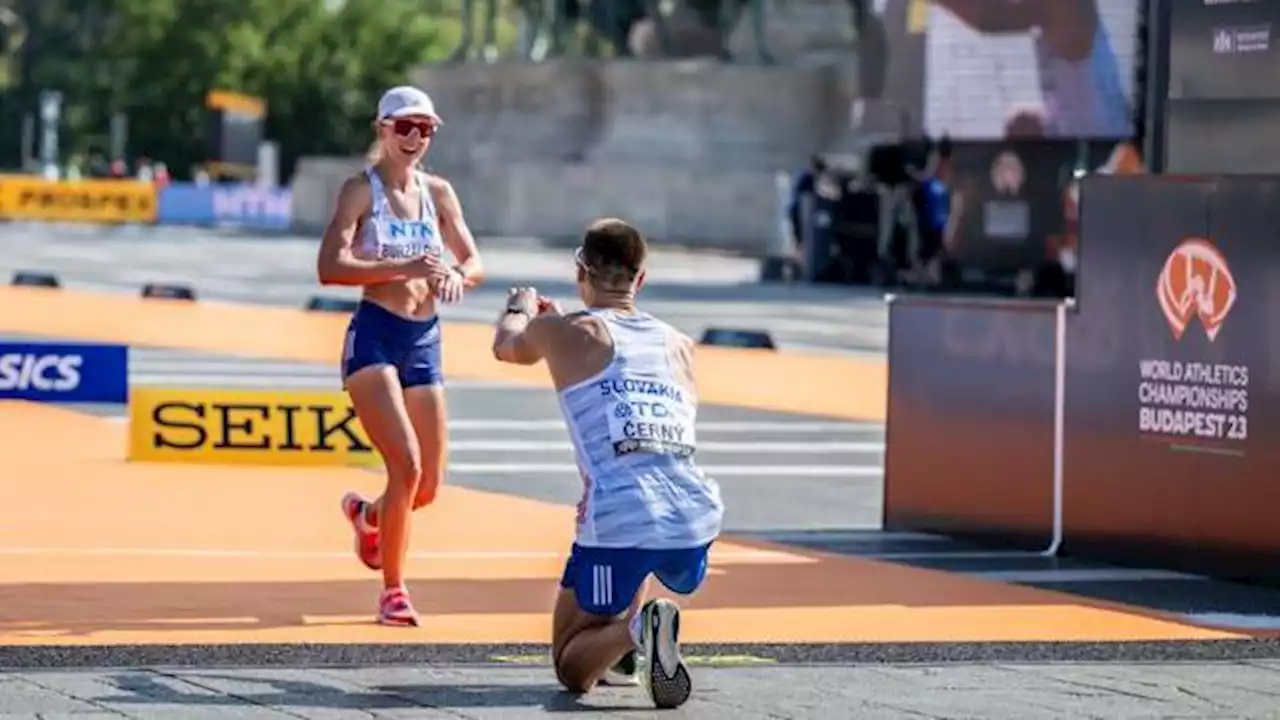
{"x": 97, "y": 165}
{"x": 805, "y": 184}
{"x": 933, "y": 203}
{"x": 1057, "y": 277}
{"x": 146, "y": 173}
{"x": 72, "y": 171}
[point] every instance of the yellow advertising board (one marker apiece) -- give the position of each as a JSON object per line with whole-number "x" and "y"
{"x": 246, "y": 427}
{"x": 95, "y": 201}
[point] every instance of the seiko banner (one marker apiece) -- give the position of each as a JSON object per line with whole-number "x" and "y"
{"x": 246, "y": 427}
{"x": 1173, "y": 375}
{"x": 247, "y": 206}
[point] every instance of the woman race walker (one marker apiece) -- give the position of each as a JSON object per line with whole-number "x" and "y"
{"x": 388, "y": 234}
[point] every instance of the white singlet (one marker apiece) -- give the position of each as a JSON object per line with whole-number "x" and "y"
{"x": 632, "y": 427}
{"x": 389, "y": 237}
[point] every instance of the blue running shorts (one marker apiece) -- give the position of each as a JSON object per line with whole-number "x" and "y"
{"x": 606, "y": 580}
{"x": 377, "y": 336}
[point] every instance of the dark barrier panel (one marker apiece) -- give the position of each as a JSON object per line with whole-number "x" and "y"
{"x": 1172, "y": 413}
{"x": 970, "y": 418}
{"x": 1233, "y": 137}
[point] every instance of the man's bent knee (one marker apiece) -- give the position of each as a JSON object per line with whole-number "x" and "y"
{"x": 573, "y": 681}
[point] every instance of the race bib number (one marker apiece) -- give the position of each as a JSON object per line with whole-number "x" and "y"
{"x": 650, "y": 417}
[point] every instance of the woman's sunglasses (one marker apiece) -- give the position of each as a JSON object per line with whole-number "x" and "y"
{"x": 404, "y": 127}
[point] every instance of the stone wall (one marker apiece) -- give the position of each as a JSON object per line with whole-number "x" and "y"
{"x": 686, "y": 149}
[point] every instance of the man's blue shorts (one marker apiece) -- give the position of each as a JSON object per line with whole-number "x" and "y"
{"x": 377, "y": 336}
{"x": 606, "y": 580}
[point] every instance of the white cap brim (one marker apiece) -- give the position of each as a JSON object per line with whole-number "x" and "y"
{"x": 413, "y": 110}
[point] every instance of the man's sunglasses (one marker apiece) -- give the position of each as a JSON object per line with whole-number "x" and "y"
{"x": 577, "y": 260}
{"x": 404, "y": 127}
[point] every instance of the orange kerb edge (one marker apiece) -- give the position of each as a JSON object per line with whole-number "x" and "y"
{"x": 831, "y": 386}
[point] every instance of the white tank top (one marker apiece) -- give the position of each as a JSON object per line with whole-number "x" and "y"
{"x": 388, "y": 237}
{"x": 632, "y": 427}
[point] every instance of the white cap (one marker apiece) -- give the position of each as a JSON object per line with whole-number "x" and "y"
{"x": 403, "y": 101}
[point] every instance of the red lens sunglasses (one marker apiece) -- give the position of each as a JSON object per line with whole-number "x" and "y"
{"x": 405, "y": 127}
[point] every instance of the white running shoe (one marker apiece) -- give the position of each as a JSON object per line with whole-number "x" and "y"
{"x": 662, "y": 670}
{"x": 623, "y": 673}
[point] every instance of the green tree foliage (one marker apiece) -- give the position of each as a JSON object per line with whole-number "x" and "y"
{"x": 319, "y": 64}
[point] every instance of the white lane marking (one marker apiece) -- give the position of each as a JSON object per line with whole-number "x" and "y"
{"x": 963, "y": 555}
{"x": 469, "y": 555}
{"x": 779, "y": 471}
{"x": 744, "y": 426}
{"x": 267, "y": 381}
{"x": 724, "y": 427}
{"x": 1235, "y": 620}
{"x": 817, "y": 448}
{"x": 1045, "y": 577}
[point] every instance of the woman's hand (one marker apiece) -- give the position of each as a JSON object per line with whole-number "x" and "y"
{"x": 450, "y": 288}
{"x": 446, "y": 283}
{"x": 430, "y": 266}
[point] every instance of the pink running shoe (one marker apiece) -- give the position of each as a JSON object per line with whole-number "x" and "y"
{"x": 367, "y": 545}
{"x": 395, "y": 608}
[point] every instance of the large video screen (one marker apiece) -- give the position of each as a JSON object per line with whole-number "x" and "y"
{"x": 994, "y": 69}
{"x": 1223, "y": 49}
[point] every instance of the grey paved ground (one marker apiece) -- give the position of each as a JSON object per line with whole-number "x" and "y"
{"x": 982, "y": 692}
{"x": 690, "y": 290}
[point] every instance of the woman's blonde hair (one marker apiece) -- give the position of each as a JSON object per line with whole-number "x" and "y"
{"x": 375, "y": 152}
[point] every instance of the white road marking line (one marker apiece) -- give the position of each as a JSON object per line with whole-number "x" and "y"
{"x": 1046, "y": 577}
{"x": 1235, "y": 620}
{"x": 817, "y": 448}
{"x": 236, "y": 380}
{"x": 267, "y": 381}
{"x": 962, "y": 555}
{"x": 714, "y": 471}
{"x": 853, "y": 535}
{"x": 201, "y": 365}
{"x": 469, "y": 555}
{"x": 799, "y": 426}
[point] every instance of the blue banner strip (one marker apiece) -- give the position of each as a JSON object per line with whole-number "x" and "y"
{"x": 64, "y": 372}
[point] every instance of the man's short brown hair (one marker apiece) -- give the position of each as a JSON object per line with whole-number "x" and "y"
{"x": 613, "y": 252}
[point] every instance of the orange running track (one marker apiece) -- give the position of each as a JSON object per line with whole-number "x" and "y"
{"x": 98, "y": 551}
